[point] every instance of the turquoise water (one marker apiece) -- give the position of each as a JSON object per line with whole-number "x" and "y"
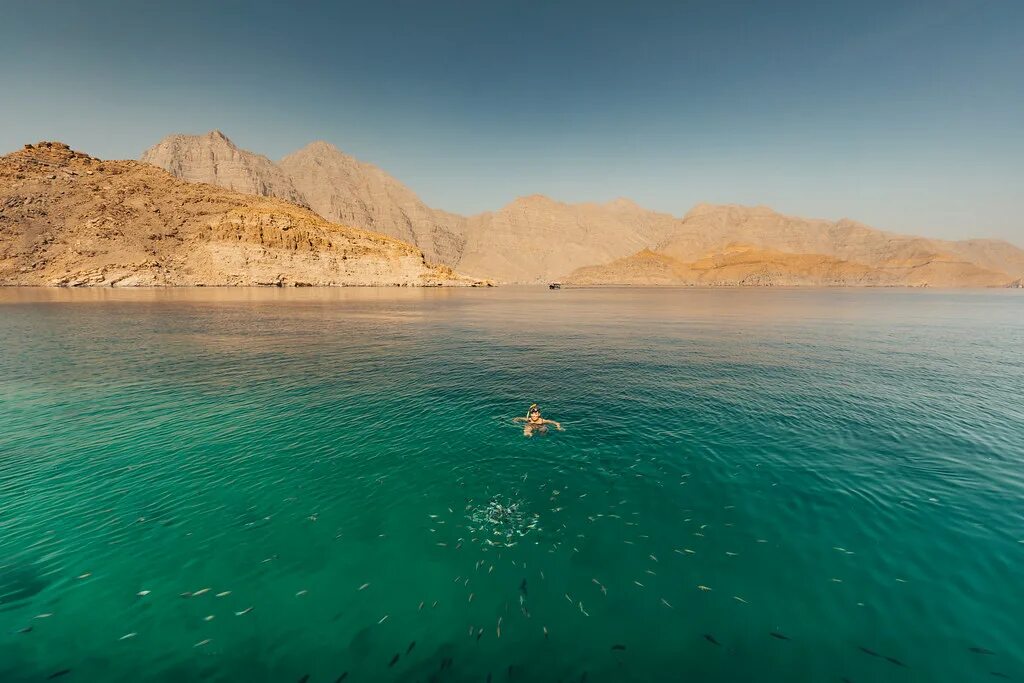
{"x": 197, "y": 484}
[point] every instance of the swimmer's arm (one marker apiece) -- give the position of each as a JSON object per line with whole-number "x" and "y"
{"x": 558, "y": 425}
{"x": 519, "y": 419}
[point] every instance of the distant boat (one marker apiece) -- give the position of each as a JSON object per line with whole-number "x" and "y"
{"x": 555, "y": 285}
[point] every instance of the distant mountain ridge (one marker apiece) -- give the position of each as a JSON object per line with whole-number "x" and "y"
{"x": 537, "y": 239}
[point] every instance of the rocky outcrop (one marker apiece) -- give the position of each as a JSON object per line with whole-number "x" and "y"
{"x": 340, "y": 188}
{"x": 67, "y": 219}
{"x": 214, "y": 159}
{"x": 343, "y": 189}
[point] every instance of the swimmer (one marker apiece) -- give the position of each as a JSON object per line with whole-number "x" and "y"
{"x": 536, "y": 423}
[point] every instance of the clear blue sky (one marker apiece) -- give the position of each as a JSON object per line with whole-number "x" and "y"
{"x": 906, "y": 115}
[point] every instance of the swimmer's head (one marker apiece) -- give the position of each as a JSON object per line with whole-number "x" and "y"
{"x": 534, "y": 409}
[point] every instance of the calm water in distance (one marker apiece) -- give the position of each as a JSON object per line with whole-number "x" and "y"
{"x": 257, "y": 485}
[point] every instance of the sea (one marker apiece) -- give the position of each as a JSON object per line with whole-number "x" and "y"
{"x": 319, "y": 485}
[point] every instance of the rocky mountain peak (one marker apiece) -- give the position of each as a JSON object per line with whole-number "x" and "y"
{"x": 212, "y": 158}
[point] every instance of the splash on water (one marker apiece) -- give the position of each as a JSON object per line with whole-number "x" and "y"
{"x": 502, "y": 523}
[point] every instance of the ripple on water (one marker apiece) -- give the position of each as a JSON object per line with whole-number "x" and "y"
{"x": 841, "y": 468}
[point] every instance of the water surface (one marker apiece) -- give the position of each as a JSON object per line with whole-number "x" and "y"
{"x": 198, "y": 484}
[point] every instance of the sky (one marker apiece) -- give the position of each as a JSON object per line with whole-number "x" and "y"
{"x": 906, "y": 115}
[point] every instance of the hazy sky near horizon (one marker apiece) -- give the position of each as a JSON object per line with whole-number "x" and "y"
{"x": 907, "y": 115}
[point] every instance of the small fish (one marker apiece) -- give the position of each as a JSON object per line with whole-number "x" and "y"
{"x": 127, "y": 636}
{"x": 522, "y": 587}
{"x": 704, "y": 588}
{"x": 868, "y": 651}
{"x": 142, "y": 594}
{"x": 85, "y": 575}
{"x": 776, "y": 634}
{"x": 364, "y": 587}
{"x": 653, "y": 557}
{"x": 43, "y": 616}
{"x": 58, "y": 674}
{"x": 731, "y": 554}
{"x": 479, "y": 635}
{"x": 27, "y": 629}
{"x": 896, "y": 662}
{"x": 394, "y": 660}
{"x": 200, "y": 592}
{"x": 202, "y": 642}
{"x": 471, "y": 597}
{"x": 545, "y": 631}
{"x": 980, "y": 651}
{"x": 210, "y": 617}
{"x": 638, "y": 583}
{"x": 383, "y": 619}
{"x": 711, "y": 639}
{"x": 617, "y": 646}
{"x": 245, "y": 611}
{"x": 301, "y": 593}
{"x": 837, "y": 580}
{"x": 223, "y": 594}
{"x": 666, "y": 603}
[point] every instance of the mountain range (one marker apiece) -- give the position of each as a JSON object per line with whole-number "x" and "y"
{"x": 69, "y": 219}
{"x": 537, "y": 239}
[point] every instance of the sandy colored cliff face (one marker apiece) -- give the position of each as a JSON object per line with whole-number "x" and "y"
{"x": 338, "y": 187}
{"x": 346, "y": 190}
{"x": 214, "y": 159}
{"x": 70, "y": 220}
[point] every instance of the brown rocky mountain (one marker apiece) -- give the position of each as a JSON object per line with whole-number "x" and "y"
{"x": 536, "y": 239}
{"x": 733, "y": 245}
{"x": 69, "y": 219}
{"x": 214, "y": 159}
{"x": 346, "y": 190}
